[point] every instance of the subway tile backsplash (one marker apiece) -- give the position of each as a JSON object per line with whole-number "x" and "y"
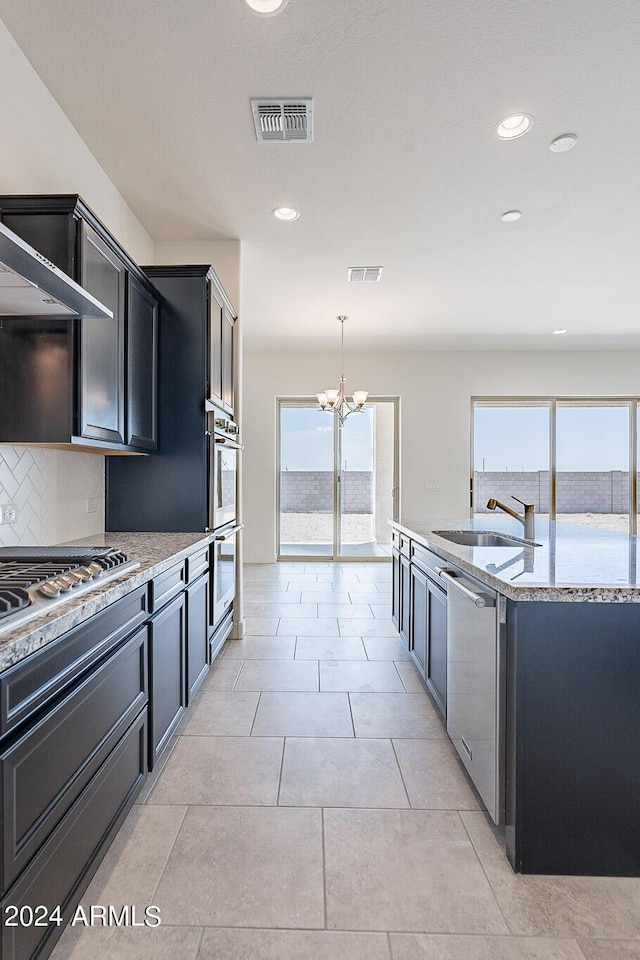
{"x": 58, "y": 495}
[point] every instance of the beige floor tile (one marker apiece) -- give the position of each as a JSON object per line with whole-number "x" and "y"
{"x": 610, "y": 949}
{"x": 598, "y": 907}
{"x": 260, "y": 648}
{"x": 381, "y": 611}
{"x": 284, "y": 610}
{"x": 221, "y": 714}
{"x": 433, "y": 777}
{"x": 364, "y": 593}
{"x": 327, "y": 772}
{"x": 385, "y": 648}
{"x": 362, "y": 611}
{"x": 395, "y": 715}
{"x": 300, "y": 627}
{"x": 300, "y": 578}
{"x": 261, "y": 626}
{"x": 245, "y": 867}
{"x": 405, "y": 870}
{"x": 410, "y": 676}
{"x": 221, "y": 770}
{"x": 131, "y": 870}
{"x": 447, "y": 947}
{"x": 254, "y": 608}
{"x": 128, "y": 943}
{"x": 271, "y": 596}
{"x": 325, "y": 596}
{"x": 360, "y": 675}
{"x": 320, "y": 588}
{"x": 278, "y": 675}
{"x": 222, "y": 675}
{"x": 330, "y": 648}
{"x": 303, "y": 715}
{"x": 356, "y": 627}
{"x": 229, "y": 944}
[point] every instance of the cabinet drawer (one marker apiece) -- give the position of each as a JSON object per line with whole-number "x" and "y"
{"x": 46, "y": 769}
{"x": 197, "y": 564}
{"x": 61, "y": 871}
{"x": 27, "y": 686}
{"x": 167, "y": 585}
{"x": 426, "y": 559}
{"x": 405, "y": 545}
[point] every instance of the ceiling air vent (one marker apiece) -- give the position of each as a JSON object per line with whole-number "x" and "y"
{"x": 283, "y": 121}
{"x": 356, "y": 274}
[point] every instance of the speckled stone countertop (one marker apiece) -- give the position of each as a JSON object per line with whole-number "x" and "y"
{"x": 572, "y": 562}
{"x": 155, "y": 552}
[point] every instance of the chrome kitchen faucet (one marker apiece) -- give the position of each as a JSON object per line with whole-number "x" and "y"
{"x": 528, "y": 521}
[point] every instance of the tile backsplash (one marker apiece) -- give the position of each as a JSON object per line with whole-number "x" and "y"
{"x": 58, "y": 495}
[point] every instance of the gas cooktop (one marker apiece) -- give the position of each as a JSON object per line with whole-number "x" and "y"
{"x": 34, "y": 580}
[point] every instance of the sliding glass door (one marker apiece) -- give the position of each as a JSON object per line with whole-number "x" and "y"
{"x": 574, "y": 459}
{"x": 337, "y": 484}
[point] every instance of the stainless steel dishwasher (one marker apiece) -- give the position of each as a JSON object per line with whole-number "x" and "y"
{"x": 475, "y": 683}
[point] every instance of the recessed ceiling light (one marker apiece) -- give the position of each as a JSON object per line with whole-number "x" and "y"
{"x": 509, "y": 215}
{"x": 514, "y": 126}
{"x": 266, "y": 8}
{"x": 558, "y": 333}
{"x": 286, "y": 213}
{"x": 562, "y": 143}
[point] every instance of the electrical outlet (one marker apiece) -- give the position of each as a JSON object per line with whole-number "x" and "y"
{"x": 8, "y": 513}
{"x": 92, "y": 505}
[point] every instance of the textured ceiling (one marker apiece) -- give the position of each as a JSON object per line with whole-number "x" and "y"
{"x": 404, "y": 170}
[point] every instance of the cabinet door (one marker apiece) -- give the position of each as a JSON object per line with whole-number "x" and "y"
{"x": 142, "y": 366}
{"x": 197, "y": 634}
{"x": 419, "y": 637}
{"x": 395, "y": 587}
{"x": 436, "y": 665}
{"x": 166, "y": 674}
{"x": 405, "y": 599}
{"x": 101, "y": 401}
{"x": 228, "y": 324}
{"x": 216, "y": 317}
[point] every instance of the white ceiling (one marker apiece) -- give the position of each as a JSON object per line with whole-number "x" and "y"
{"x": 404, "y": 171}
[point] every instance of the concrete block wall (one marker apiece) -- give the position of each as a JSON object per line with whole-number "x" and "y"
{"x": 576, "y": 491}
{"x": 311, "y": 491}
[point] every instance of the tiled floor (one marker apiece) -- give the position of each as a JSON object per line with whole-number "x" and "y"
{"x": 312, "y": 808}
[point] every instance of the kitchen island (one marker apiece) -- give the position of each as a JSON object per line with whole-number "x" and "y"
{"x": 565, "y": 671}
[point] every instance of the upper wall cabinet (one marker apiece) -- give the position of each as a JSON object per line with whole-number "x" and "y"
{"x": 88, "y": 383}
{"x": 221, "y": 346}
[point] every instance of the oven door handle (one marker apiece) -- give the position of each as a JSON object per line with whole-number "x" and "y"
{"x": 229, "y": 533}
{"x": 229, "y": 443}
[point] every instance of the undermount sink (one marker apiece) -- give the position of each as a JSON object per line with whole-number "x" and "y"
{"x": 483, "y": 538}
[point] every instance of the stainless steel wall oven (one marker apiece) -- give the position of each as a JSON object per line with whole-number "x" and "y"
{"x": 222, "y": 436}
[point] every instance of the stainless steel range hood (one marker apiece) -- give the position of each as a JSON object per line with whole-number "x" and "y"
{"x": 32, "y": 286}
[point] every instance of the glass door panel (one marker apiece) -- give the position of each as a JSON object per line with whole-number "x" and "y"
{"x": 306, "y": 520}
{"x": 366, "y": 469}
{"x": 511, "y": 456}
{"x": 337, "y": 484}
{"x": 592, "y": 464}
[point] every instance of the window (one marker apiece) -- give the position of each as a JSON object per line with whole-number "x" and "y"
{"x": 569, "y": 457}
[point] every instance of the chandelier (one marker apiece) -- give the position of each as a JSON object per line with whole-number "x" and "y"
{"x": 335, "y": 401}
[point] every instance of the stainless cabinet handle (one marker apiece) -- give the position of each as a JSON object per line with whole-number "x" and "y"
{"x": 477, "y": 598}
{"x": 229, "y": 533}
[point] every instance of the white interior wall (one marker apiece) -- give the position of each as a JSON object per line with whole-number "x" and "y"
{"x": 223, "y": 255}
{"x": 58, "y": 495}
{"x": 42, "y": 152}
{"x": 435, "y": 391}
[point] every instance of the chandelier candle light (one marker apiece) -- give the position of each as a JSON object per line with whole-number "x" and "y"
{"x": 335, "y": 401}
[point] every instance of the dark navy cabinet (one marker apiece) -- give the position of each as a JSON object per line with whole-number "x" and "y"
{"x": 86, "y": 383}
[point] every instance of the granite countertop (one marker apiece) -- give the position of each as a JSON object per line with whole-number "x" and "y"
{"x": 154, "y": 552}
{"x": 572, "y": 562}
